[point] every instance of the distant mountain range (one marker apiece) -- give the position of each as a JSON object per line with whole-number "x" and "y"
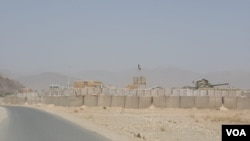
{"x": 42, "y": 81}
{"x": 164, "y": 77}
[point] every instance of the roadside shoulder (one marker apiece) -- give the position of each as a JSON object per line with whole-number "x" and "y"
{"x": 83, "y": 123}
{"x": 3, "y": 114}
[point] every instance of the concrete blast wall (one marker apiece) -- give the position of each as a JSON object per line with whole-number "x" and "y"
{"x": 91, "y": 91}
{"x": 173, "y": 101}
{"x": 132, "y": 102}
{"x": 196, "y": 93}
{"x": 90, "y": 100}
{"x": 246, "y": 93}
{"x": 84, "y": 91}
{"x": 33, "y": 100}
{"x": 243, "y": 103}
{"x": 104, "y": 100}
{"x": 239, "y": 93}
{"x": 14, "y": 100}
{"x": 190, "y": 92}
{"x": 145, "y": 102}
{"x": 55, "y": 100}
{"x": 50, "y": 100}
{"x": 159, "y": 101}
{"x": 168, "y": 92}
{"x": 66, "y": 101}
{"x": 215, "y": 102}
{"x": 161, "y": 92}
{"x": 218, "y": 93}
{"x": 203, "y": 92}
{"x": 211, "y": 92}
{"x": 154, "y": 92}
{"x": 176, "y": 92}
{"x": 61, "y": 101}
{"x": 140, "y": 92}
{"x": 73, "y": 101}
{"x": 118, "y": 101}
{"x": 183, "y": 92}
{"x": 201, "y": 102}
{"x": 148, "y": 92}
{"x": 187, "y": 102}
{"x": 230, "y": 102}
{"x": 211, "y": 99}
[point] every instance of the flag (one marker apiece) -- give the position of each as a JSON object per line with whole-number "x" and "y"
{"x": 139, "y": 67}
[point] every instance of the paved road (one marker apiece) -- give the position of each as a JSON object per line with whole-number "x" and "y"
{"x": 27, "y": 124}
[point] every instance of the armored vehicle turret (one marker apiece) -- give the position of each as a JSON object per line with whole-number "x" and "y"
{"x": 203, "y": 83}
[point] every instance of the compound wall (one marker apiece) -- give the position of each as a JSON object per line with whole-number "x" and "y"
{"x": 90, "y": 100}
{"x": 243, "y": 103}
{"x": 132, "y": 102}
{"x": 74, "y": 101}
{"x": 118, "y": 101}
{"x": 187, "y": 101}
{"x": 145, "y": 101}
{"x": 201, "y": 102}
{"x": 150, "y": 92}
{"x": 173, "y": 101}
{"x": 230, "y": 102}
{"x": 215, "y": 102}
{"x": 104, "y": 100}
{"x": 159, "y": 101}
{"x": 228, "y": 99}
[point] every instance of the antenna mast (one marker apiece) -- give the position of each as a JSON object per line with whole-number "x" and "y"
{"x": 69, "y": 77}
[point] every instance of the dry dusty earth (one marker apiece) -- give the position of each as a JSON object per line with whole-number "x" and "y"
{"x": 152, "y": 124}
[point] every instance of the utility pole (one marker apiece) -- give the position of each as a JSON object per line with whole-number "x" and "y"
{"x": 69, "y": 77}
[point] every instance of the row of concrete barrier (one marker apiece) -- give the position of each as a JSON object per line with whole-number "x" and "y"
{"x": 200, "y": 102}
{"x": 135, "y": 102}
{"x": 22, "y": 100}
{"x": 155, "y": 92}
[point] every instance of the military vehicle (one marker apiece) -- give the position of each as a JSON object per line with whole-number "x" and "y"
{"x": 203, "y": 83}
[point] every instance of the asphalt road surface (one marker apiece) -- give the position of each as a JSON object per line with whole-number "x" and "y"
{"x": 27, "y": 124}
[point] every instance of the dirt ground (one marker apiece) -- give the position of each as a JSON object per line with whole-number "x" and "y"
{"x": 152, "y": 124}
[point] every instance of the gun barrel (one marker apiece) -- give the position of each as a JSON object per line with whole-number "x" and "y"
{"x": 220, "y": 84}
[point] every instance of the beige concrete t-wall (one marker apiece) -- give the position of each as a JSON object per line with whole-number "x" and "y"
{"x": 159, "y": 101}
{"x": 118, "y": 101}
{"x": 187, "y": 101}
{"x": 90, "y": 100}
{"x": 145, "y": 101}
{"x": 132, "y": 102}
{"x": 104, "y": 100}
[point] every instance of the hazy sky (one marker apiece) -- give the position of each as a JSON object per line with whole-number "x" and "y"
{"x": 51, "y": 35}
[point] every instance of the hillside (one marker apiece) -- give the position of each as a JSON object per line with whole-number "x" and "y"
{"x": 9, "y": 86}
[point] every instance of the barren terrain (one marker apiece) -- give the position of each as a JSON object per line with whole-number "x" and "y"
{"x": 152, "y": 124}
